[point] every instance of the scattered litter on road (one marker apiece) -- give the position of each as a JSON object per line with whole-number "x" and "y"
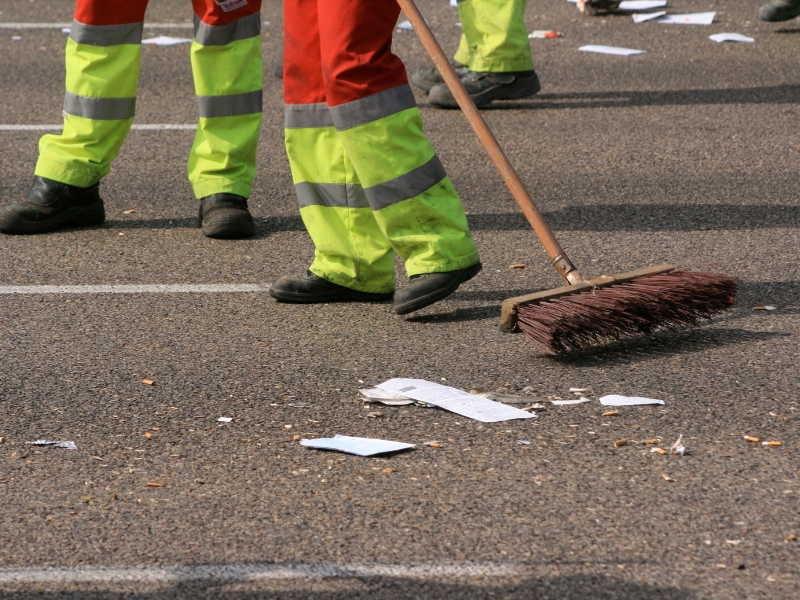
{"x": 611, "y": 413}
{"x": 730, "y": 37}
{"x": 703, "y": 18}
{"x": 128, "y": 212}
{"x": 579, "y": 390}
{"x": 667, "y": 477}
{"x": 356, "y": 445}
{"x": 299, "y": 404}
{"x": 503, "y": 397}
{"x": 433, "y": 444}
{"x": 16, "y": 38}
{"x": 658, "y": 450}
{"x": 149, "y": 436}
{"x": 614, "y": 400}
{"x": 374, "y": 415}
{"x": 517, "y": 266}
{"x": 388, "y": 470}
{"x": 750, "y": 438}
{"x": 621, "y": 442}
{"x": 454, "y": 3}
{"x": 650, "y": 441}
{"x": 406, "y": 25}
{"x": 544, "y": 34}
{"x": 154, "y": 484}
{"x": 19, "y": 454}
{"x": 166, "y": 40}
{"x": 296, "y": 437}
{"x": 148, "y": 382}
{"x": 454, "y": 400}
{"x": 771, "y": 443}
{"x": 69, "y": 445}
{"x": 733, "y": 542}
{"x": 763, "y": 308}
{"x": 642, "y": 17}
{"x": 565, "y": 402}
{"x": 225, "y": 419}
{"x": 2, "y": 440}
{"x": 384, "y": 397}
{"x": 677, "y": 447}
{"x": 641, "y": 4}
{"x": 791, "y": 537}
{"x": 610, "y": 50}
{"x": 66, "y": 30}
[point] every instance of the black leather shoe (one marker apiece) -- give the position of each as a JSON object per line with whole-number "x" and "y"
{"x": 779, "y": 10}
{"x": 311, "y": 289}
{"x": 427, "y": 77}
{"x": 52, "y": 205}
{"x": 483, "y": 88}
{"x": 225, "y": 217}
{"x": 428, "y": 288}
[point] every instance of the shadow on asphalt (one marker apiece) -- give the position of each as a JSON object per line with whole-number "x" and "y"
{"x": 773, "y": 94}
{"x": 576, "y": 587}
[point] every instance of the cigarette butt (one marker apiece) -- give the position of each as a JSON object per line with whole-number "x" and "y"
{"x": 435, "y": 444}
{"x": 667, "y": 477}
{"x": 149, "y": 436}
{"x": 791, "y": 538}
{"x": 148, "y": 381}
{"x": 388, "y": 470}
{"x": 154, "y": 484}
{"x": 771, "y": 443}
{"x": 296, "y": 437}
{"x": 659, "y": 451}
{"x": 621, "y": 442}
{"x": 128, "y": 212}
{"x": 611, "y": 413}
{"x": 517, "y": 266}
{"x": 155, "y": 429}
{"x": 750, "y": 438}
{"x": 650, "y": 442}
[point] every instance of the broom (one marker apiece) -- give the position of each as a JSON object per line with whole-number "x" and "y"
{"x": 584, "y": 312}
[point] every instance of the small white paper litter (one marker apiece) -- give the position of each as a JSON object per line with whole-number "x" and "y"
{"x": 453, "y": 3}
{"x": 704, "y": 18}
{"x": 610, "y": 50}
{"x": 730, "y": 37}
{"x": 578, "y": 390}
{"x": 225, "y": 419}
{"x": 16, "y": 38}
{"x": 523, "y": 443}
{"x": 66, "y": 30}
{"x": 641, "y": 18}
{"x": 677, "y": 447}
{"x": 641, "y": 4}
{"x": 615, "y": 400}
{"x": 69, "y": 445}
{"x": 405, "y": 26}
{"x": 384, "y": 397}
{"x": 165, "y": 40}
{"x": 454, "y": 400}
{"x": 565, "y": 402}
{"x": 356, "y": 445}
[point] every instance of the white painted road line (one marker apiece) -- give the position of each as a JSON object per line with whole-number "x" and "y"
{"x": 254, "y": 573}
{"x": 216, "y": 288}
{"x": 60, "y": 126}
{"x": 65, "y": 25}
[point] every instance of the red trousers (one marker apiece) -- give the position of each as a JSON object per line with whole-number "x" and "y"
{"x": 122, "y": 12}
{"x": 337, "y": 51}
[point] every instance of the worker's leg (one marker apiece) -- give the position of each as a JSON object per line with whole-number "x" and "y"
{"x": 377, "y": 120}
{"x": 226, "y": 62}
{"x": 350, "y": 249}
{"x": 102, "y": 60}
{"x": 495, "y": 37}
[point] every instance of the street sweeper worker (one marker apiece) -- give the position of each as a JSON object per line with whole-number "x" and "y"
{"x": 493, "y": 58}
{"x": 102, "y": 61}
{"x": 367, "y": 180}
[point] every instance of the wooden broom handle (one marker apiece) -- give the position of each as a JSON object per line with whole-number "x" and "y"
{"x": 554, "y": 250}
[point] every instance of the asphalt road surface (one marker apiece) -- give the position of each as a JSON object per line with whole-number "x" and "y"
{"x": 686, "y": 154}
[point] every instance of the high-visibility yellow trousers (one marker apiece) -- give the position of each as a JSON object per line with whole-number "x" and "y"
{"x": 494, "y": 38}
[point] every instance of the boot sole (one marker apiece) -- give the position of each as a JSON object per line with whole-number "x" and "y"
{"x": 492, "y": 94}
{"x": 86, "y": 216}
{"x": 337, "y": 296}
{"x": 440, "y": 294}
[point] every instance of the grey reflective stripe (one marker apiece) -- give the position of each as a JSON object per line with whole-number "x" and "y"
{"x": 344, "y": 195}
{"x": 233, "y": 105}
{"x": 99, "y": 109}
{"x": 106, "y": 35}
{"x": 301, "y": 116}
{"x": 406, "y": 186}
{"x": 213, "y": 35}
{"x": 372, "y": 108}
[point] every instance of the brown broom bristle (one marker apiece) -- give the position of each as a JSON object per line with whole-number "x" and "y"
{"x": 641, "y": 306}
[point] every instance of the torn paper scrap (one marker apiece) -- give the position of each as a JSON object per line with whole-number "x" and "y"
{"x": 704, "y": 18}
{"x": 356, "y": 445}
{"x": 166, "y": 40}
{"x": 454, "y": 400}
{"x": 642, "y": 17}
{"x": 454, "y": 3}
{"x": 225, "y": 419}
{"x": 614, "y": 400}
{"x": 641, "y": 4}
{"x": 67, "y": 444}
{"x": 730, "y": 37}
{"x": 384, "y": 397}
{"x": 504, "y": 397}
{"x": 565, "y": 402}
{"x": 406, "y": 25}
{"x": 610, "y": 50}
{"x": 66, "y": 30}
{"x": 677, "y": 447}
{"x": 578, "y": 390}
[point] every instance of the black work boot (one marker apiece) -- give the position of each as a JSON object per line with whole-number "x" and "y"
{"x": 427, "y": 77}
{"x": 312, "y": 289}
{"x": 779, "y": 10}
{"x": 428, "y": 288}
{"x": 225, "y": 216}
{"x": 483, "y": 88}
{"x": 52, "y": 205}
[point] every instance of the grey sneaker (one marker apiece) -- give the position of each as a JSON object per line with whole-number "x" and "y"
{"x": 484, "y": 88}
{"x": 779, "y": 10}
{"x": 596, "y": 7}
{"x": 427, "y": 77}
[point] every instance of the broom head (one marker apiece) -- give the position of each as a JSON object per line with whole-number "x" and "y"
{"x": 610, "y": 308}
